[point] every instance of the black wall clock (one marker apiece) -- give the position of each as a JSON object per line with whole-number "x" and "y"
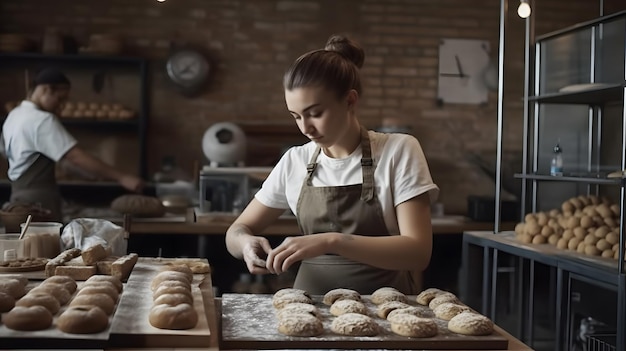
{"x": 189, "y": 70}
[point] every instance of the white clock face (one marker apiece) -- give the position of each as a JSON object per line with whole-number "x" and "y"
{"x": 462, "y": 65}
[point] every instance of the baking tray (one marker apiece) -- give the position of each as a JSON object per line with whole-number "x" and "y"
{"x": 248, "y": 321}
{"x": 53, "y": 338}
{"x": 131, "y": 327}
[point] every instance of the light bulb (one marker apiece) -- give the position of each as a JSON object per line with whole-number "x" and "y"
{"x": 161, "y": 0}
{"x": 523, "y": 10}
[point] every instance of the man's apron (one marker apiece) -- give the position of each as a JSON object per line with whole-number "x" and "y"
{"x": 38, "y": 186}
{"x": 350, "y": 209}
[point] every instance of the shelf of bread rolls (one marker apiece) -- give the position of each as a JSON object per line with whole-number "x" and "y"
{"x": 94, "y": 110}
{"x": 90, "y": 111}
{"x": 587, "y": 225}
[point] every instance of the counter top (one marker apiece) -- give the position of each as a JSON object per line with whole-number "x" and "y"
{"x": 217, "y": 223}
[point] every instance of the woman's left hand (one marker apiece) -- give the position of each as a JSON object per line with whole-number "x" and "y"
{"x": 297, "y": 248}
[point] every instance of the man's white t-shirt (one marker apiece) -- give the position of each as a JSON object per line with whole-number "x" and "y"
{"x": 401, "y": 174}
{"x": 28, "y": 132}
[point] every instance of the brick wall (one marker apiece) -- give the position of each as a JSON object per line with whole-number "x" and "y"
{"x": 253, "y": 41}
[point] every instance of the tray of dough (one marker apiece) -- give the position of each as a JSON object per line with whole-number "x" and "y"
{"x": 249, "y": 321}
{"x": 131, "y": 326}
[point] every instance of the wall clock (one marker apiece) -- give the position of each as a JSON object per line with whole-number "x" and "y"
{"x": 462, "y": 67}
{"x": 189, "y": 70}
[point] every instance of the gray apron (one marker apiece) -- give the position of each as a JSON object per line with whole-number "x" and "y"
{"x": 38, "y": 186}
{"x": 350, "y": 209}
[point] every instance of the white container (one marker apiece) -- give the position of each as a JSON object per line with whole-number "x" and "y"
{"x": 42, "y": 239}
{"x": 11, "y": 242}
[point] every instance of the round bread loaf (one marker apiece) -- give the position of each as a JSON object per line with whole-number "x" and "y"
{"x": 300, "y": 324}
{"x": 104, "y": 301}
{"x": 40, "y": 299}
{"x": 387, "y": 294}
{"x": 169, "y": 275}
{"x": 178, "y": 317}
{"x": 443, "y": 298}
{"x": 298, "y": 307}
{"x": 469, "y": 323}
{"x": 354, "y": 324}
{"x": 20, "y": 278}
{"x": 99, "y": 289}
{"x": 425, "y": 296}
{"x": 106, "y": 278}
{"x": 414, "y": 311}
{"x": 340, "y": 294}
{"x": 285, "y": 299}
{"x": 56, "y": 290}
{"x": 162, "y": 290}
{"x": 7, "y": 302}
{"x": 12, "y": 287}
{"x": 286, "y": 291}
{"x": 347, "y": 306}
{"x": 82, "y": 319}
{"x": 415, "y": 327}
{"x": 172, "y": 299}
{"x": 139, "y": 205}
{"x": 384, "y": 308}
{"x": 447, "y": 310}
{"x": 28, "y": 318}
{"x": 183, "y": 268}
{"x": 173, "y": 283}
{"x": 68, "y": 283}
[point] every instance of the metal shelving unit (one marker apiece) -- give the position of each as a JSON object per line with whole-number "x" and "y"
{"x": 575, "y": 76}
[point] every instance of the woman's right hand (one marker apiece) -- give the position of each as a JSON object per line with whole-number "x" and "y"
{"x": 254, "y": 250}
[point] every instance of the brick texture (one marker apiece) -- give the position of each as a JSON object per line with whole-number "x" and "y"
{"x": 253, "y": 41}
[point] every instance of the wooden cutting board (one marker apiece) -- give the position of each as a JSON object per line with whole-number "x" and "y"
{"x": 131, "y": 327}
{"x": 249, "y": 322}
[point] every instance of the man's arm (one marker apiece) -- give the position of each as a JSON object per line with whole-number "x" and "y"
{"x": 81, "y": 159}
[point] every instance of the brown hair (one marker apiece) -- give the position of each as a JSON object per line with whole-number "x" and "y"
{"x": 336, "y": 67}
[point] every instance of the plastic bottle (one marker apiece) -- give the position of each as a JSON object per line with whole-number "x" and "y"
{"x": 556, "y": 165}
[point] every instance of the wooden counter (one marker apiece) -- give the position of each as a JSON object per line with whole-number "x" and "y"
{"x": 218, "y": 223}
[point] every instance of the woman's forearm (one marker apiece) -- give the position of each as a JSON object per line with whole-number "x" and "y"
{"x": 387, "y": 252}
{"x": 235, "y": 237}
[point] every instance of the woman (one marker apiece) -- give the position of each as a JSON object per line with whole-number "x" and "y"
{"x": 34, "y": 140}
{"x": 362, "y": 199}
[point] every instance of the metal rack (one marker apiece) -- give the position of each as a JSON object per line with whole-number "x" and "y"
{"x": 502, "y": 254}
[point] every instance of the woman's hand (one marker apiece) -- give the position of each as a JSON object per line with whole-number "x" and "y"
{"x": 253, "y": 250}
{"x": 297, "y": 248}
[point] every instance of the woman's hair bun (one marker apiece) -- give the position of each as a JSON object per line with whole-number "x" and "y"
{"x": 347, "y": 48}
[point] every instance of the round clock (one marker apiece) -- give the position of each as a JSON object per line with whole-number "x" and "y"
{"x": 188, "y": 69}
{"x": 462, "y": 65}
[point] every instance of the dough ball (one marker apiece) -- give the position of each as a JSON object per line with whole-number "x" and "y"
{"x": 354, "y": 324}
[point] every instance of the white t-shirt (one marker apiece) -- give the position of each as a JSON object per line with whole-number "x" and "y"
{"x": 28, "y": 132}
{"x": 401, "y": 174}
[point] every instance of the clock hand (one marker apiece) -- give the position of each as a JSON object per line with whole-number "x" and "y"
{"x": 458, "y": 65}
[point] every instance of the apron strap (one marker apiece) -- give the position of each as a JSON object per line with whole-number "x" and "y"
{"x": 367, "y": 167}
{"x": 310, "y": 168}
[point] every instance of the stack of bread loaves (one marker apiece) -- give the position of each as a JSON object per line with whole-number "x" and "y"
{"x": 586, "y": 224}
{"x": 82, "y": 264}
{"x": 89, "y": 310}
{"x": 173, "y": 306}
